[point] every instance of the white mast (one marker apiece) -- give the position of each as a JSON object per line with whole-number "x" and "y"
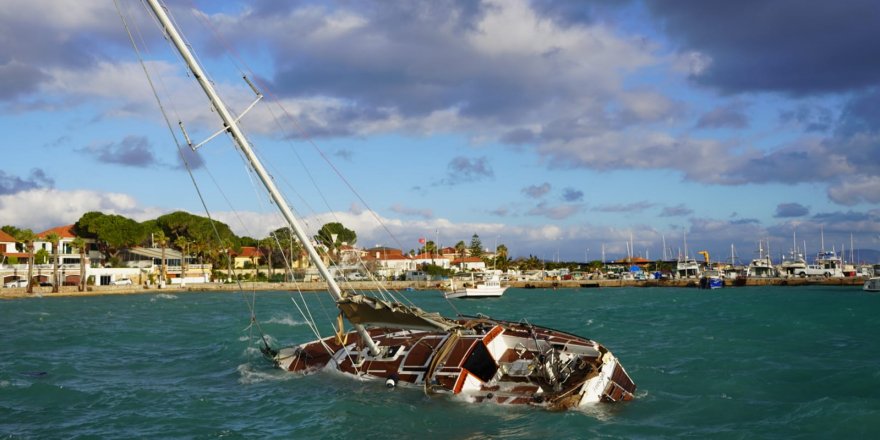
{"x": 663, "y": 237}
{"x": 245, "y": 147}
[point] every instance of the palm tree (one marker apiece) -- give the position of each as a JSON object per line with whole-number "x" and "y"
{"x": 461, "y": 249}
{"x": 27, "y": 237}
{"x": 160, "y": 238}
{"x": 501, "y": 257}
{"x": 182, "y": 243}
{"x": 55, "y": 239}
{"x": 266, "y": 247}
{"x": 80, "y": 244}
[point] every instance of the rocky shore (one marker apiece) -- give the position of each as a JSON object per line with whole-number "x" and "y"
{"x": 9, "y": 293}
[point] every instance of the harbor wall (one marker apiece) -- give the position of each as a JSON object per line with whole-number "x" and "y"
{"x": 418, "y": 285}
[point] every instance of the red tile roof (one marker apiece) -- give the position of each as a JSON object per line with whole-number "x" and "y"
{"x": 467, "y": 260}
{"x": 249, "y": 252}
{"x": 62, "y": 231}
{"x": 6, "y": 238}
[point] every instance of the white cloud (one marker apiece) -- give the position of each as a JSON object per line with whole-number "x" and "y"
{"x": 856, "y": 189}
{"x": 41, "y": 209}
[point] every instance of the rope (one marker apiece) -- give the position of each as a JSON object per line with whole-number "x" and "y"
{"x": 251, "y": 305}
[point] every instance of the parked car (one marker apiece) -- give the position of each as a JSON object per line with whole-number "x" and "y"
{"x": 16, "y": 283}
{"x": 122, "y": 282}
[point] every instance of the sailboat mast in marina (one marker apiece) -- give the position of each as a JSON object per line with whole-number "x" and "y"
{"x": 479, "y": 358}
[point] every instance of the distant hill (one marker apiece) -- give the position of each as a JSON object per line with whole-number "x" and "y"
{"x": 868, "y": 256}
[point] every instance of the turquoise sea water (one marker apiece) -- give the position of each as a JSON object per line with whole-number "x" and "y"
{"x": 773, "y": 362}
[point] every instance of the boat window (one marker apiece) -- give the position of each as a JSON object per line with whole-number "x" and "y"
{"x": 480, "y": 363}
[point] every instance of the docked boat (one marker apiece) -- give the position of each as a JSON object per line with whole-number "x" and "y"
{"x": 761, "y": 267}
{"x": 687, "y": 268}
{"x": 488, "y": 288}
{"x": 830, "y": 264}
{"x": 872, "y": 285}
{"x": 711, "y": 279}
{"x": 479, "y": 358}
{"x": 794, "y": 264}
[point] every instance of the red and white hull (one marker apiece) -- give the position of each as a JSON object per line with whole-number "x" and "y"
{"x": 487, "y": 361}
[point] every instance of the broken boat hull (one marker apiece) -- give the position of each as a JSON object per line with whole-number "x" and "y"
{"x": 486, "y": 361}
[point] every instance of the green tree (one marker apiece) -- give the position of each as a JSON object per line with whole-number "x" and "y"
{"x": 502, "y": 260}
{"x": 160, "y": 239}
{"x": 41, "y": 256}
{"x": 112, "y": 232}
{"x": 266, "y": 246}
{"x": 476, "y": 247}
{"x": 11, "y": 230}
{"x": 27, "y": 237}
{"x": 208, "y": 237}
{"x": 55, "y": 240}
{"x": 183, "y": 244}
{"x": 80, "y": 244}
{"x": 333, "y": 235}
{"x": 287, "y": 249}
{"x": 461, "y": 249}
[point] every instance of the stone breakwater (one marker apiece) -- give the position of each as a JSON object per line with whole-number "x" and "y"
{"x": 8, "y": 293}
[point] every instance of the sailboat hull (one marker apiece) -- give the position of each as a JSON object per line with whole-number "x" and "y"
{"x": 485, "y": 361}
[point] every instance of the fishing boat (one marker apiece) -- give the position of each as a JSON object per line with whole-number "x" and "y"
{"x": 478, "y": 358}
{"x": 761, "y": 267}
{"x": 686, "y": 267}
{"x": 795, "y": 264}
{"x": 872, "y": 285}
{"x": 829, "y": 263}
{"x": 711, "y": 279}
{"x": 488, "y": 288}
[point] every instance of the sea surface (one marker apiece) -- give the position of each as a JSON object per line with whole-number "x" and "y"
{"x": 744, "y": 363}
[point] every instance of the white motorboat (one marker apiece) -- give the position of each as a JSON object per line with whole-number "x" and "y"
{"x": 488, "y": 288}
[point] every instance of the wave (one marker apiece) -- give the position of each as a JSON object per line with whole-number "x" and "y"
{"x": 285, "y": 320}
{"x": 163, "y": 296}
{"x": 249, "y": 375}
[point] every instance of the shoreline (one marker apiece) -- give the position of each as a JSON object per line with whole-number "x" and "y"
{"x": 72, "y": 291}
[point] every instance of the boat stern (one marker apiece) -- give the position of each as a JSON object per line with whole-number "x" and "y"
{"x": 612, "y": 384}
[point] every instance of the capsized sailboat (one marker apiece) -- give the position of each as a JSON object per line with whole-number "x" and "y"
{"x": 484, "y": 359}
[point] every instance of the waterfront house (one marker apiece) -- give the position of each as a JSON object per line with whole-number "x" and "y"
{"x": 249, "y": 255}
{"x": 470, "y": 264}
{"x": 388, "y": 262}
{"x": 8, "y": 250}
{"x": 69, "y": 254}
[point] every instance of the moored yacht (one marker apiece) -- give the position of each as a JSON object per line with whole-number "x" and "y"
{"x": 761, "y": 267}
{"x": 490, "y": 287}
{"x": 830, "y": 263}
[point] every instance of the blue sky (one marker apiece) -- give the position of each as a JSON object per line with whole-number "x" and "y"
{"x": 553, "y": 127}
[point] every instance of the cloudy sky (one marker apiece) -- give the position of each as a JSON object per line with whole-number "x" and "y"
{"x": 554, "y": 127}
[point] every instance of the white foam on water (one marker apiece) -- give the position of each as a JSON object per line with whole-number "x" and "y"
{"x": 285, "y": 320}
{"x": 163, "y": 296}
{"x": 249, "y": 375}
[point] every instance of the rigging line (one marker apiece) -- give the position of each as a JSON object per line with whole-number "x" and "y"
{"x": 178, "y": 145}
{"x": 244, "y": 68}
{"x": 158, "y": 25}
{"x": 306, "y": 316}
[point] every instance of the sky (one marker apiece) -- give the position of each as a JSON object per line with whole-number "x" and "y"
{"x": 556, "y": 128}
